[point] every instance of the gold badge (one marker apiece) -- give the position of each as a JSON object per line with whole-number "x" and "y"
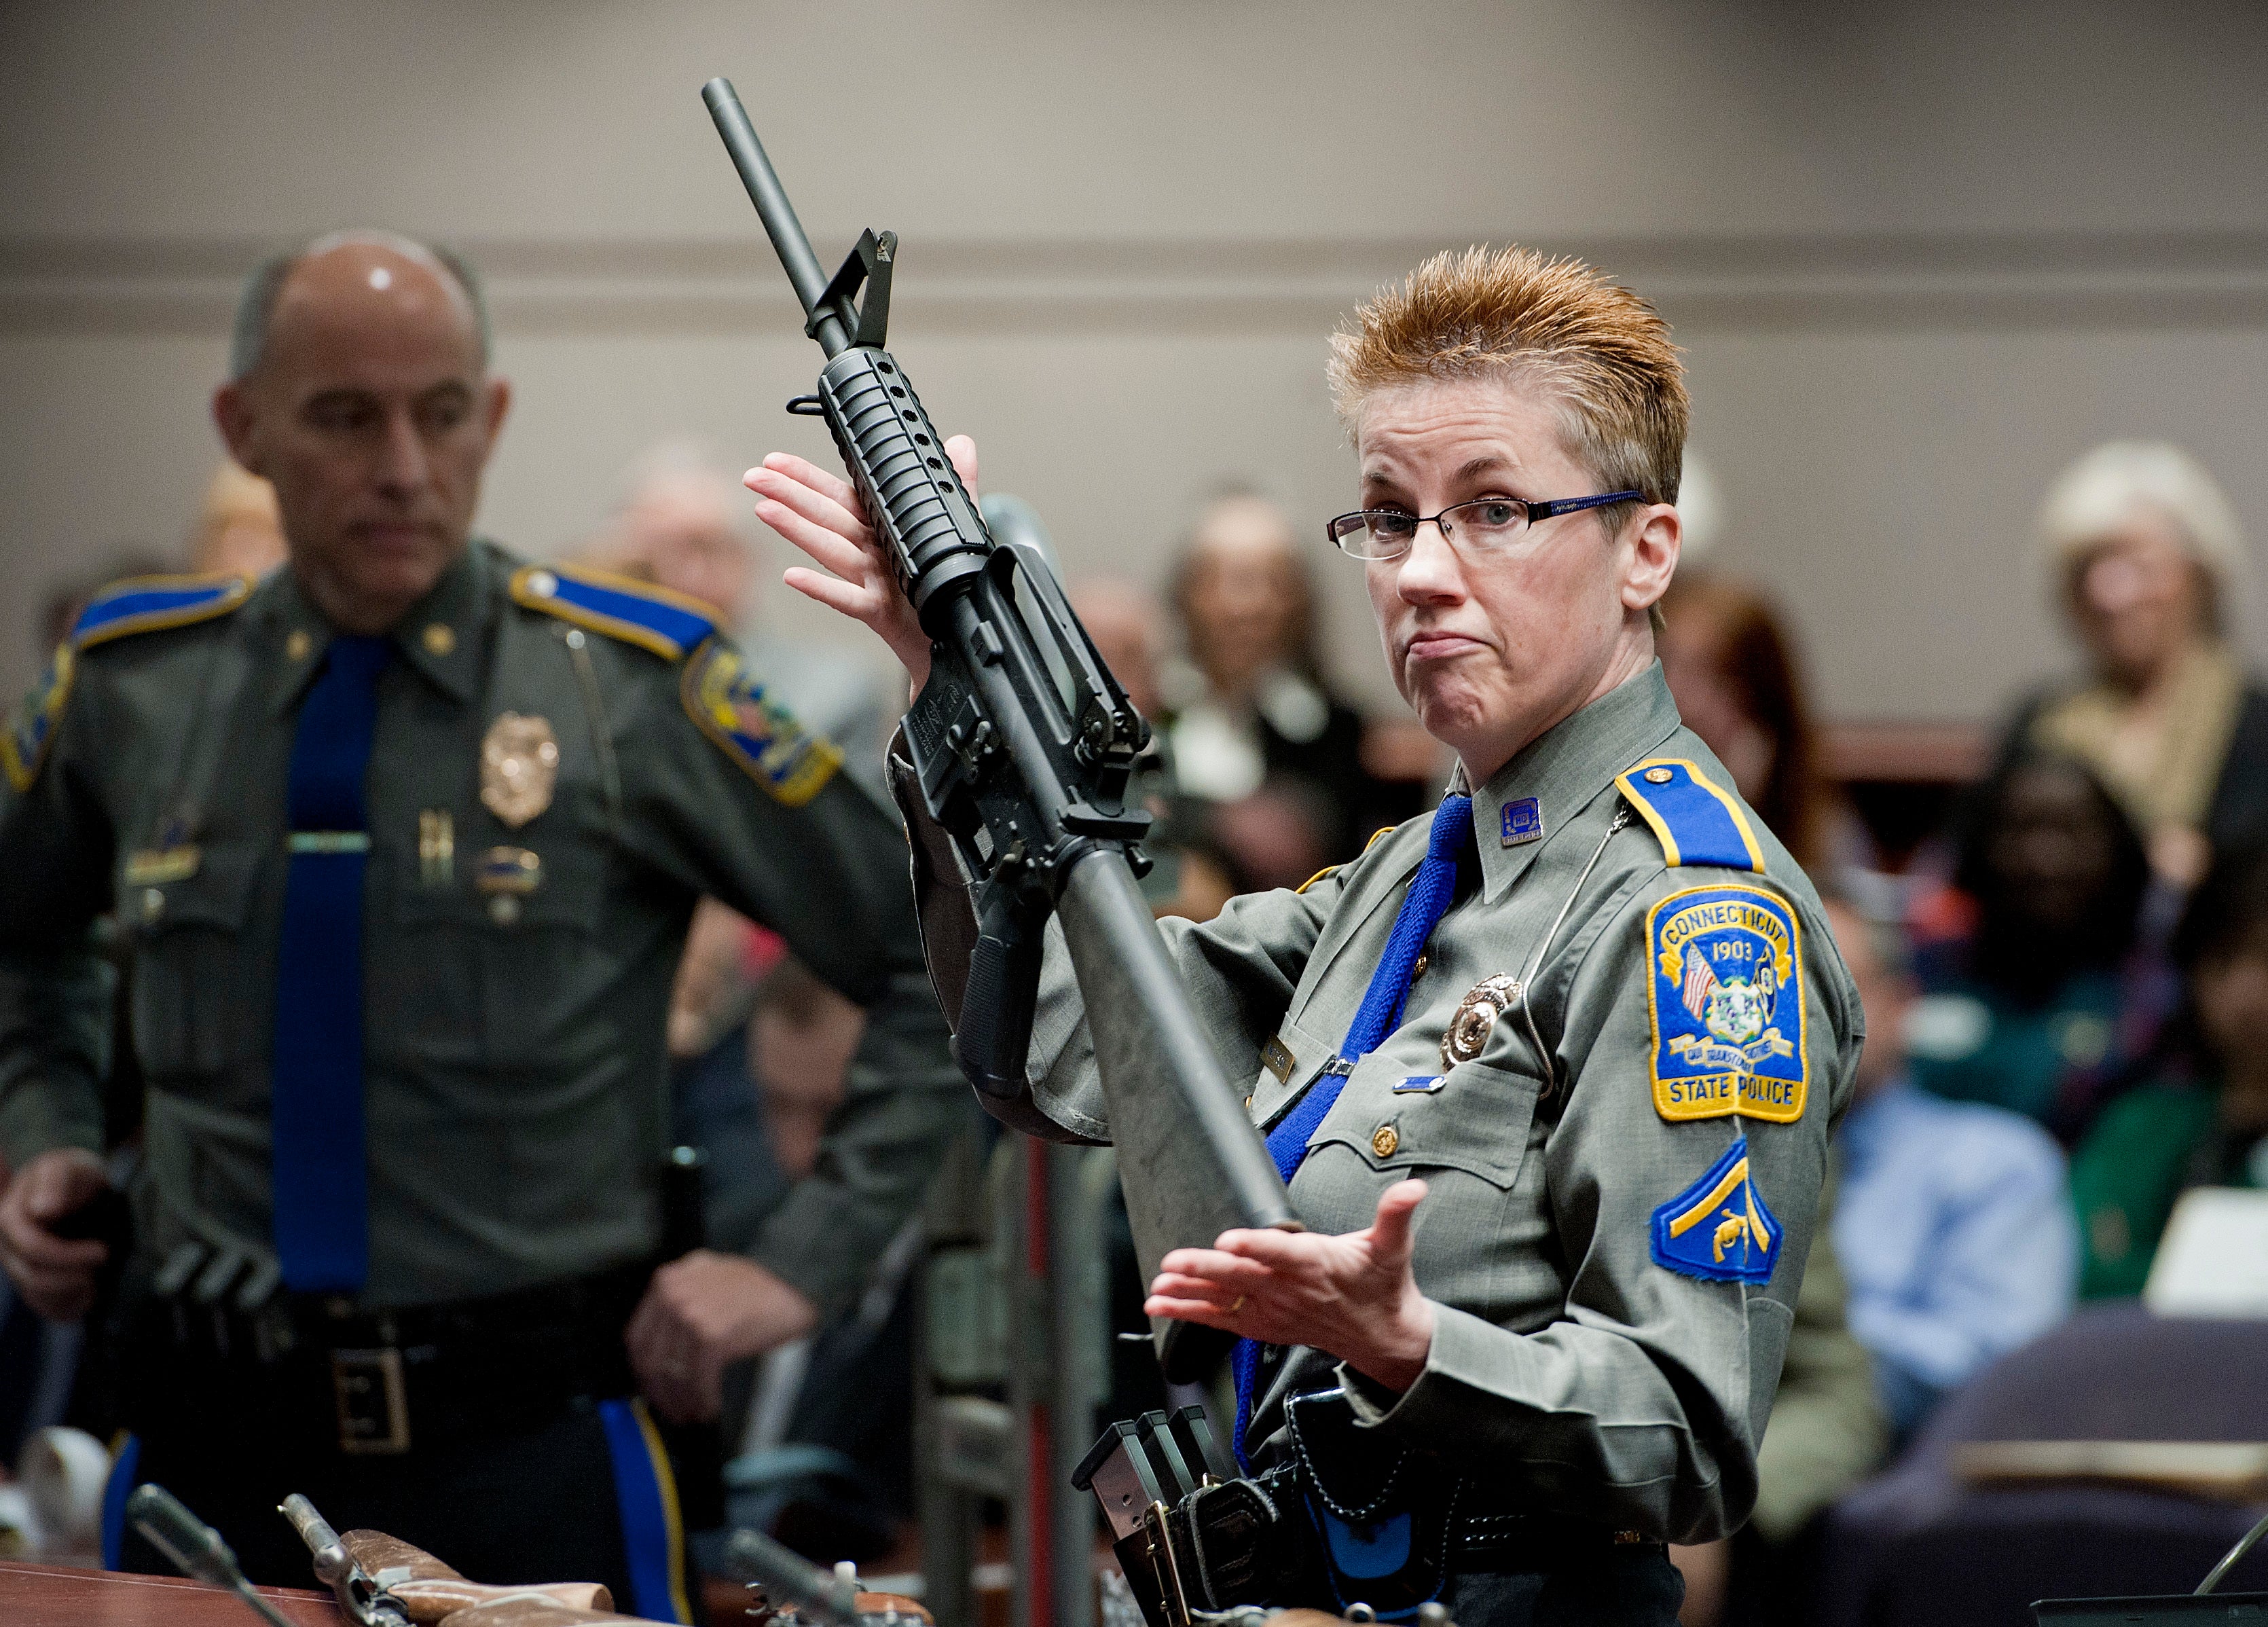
{"x": 519, "y": 764}
{"x": 1476, "y": 1013}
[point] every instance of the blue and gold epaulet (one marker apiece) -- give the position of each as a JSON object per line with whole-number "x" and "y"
{"x": 1698, "y": 821}
{"x": 653, "y": 618}
{"x": 145, "y": 604}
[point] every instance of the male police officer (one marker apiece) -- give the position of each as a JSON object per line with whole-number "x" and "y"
{"x": 1591, "y": 1000}
{"x": 406, "y": 837}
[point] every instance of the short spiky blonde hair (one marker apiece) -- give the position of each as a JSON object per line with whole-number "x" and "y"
{"x": 1558, "y": 325}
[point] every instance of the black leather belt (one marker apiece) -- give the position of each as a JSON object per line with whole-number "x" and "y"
{"x": 385, "y": 1381}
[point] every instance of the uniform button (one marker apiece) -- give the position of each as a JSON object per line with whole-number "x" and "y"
{"x": 1419, "y": 970}
{"x": 1658, "y": 777}
{"x": 1247, "y": 1104}
{"x": 1384, "y": 1140}
{"x": 296, "y": 645}
{"x": 153, "y": 903}
{"x": 439, "y": 640}
{"x": 504, "y": 910}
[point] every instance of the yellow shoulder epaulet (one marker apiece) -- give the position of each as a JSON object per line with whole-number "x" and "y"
{"x": 668, "y": 623}
{"x": 136, "y": 605}
{"x": 145, "y": 604}
{"x": 1699, "y": 821}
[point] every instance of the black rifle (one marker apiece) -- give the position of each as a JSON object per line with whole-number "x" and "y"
{"x": 1023, "y": 742}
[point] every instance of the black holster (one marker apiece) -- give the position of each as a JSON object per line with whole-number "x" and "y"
{"x": 1355, "y": 1517}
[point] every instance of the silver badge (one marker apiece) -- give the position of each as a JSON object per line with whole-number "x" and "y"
{"x": 1476, "y": 1013}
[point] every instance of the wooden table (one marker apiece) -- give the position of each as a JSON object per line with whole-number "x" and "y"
{"x": 45, "y": 1596}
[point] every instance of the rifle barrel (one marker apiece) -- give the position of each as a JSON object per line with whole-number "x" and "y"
{"x": 786, "y": 232}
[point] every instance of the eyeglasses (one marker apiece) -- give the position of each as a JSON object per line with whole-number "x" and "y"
{"x": 1478, "y": 526}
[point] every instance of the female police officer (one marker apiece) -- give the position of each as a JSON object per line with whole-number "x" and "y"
{"x": 1591, "y": 999}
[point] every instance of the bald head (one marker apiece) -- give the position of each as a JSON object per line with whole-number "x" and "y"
{"x": 361, "y": 390}
{"x": 1244, "y": 595}
{"x": 379, "y": 263}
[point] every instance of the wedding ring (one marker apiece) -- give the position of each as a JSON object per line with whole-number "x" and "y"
{"x": 1239, "y": 1306}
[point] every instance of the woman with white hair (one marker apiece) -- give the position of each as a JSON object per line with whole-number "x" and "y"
{"x": 2146, "y": 556}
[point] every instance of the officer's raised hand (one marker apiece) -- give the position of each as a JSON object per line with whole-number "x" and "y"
{"x": 819, "y": 513}
{"x": 56, "y": 1275}
{"x": 1352, "y": 1296}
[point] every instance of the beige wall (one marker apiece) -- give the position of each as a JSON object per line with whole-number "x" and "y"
{"x": 1918, "y": 256}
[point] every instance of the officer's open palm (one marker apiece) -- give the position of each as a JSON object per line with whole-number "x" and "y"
{"x": 817, "y": 513}
{"x": 1353, "y": 1296}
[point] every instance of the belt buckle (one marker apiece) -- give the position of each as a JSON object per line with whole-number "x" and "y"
{"x": 374, "y": 1404}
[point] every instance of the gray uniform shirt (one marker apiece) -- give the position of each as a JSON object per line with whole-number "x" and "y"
{"x": 1567, "y": 1366}
{"x": 515, "y": 1084}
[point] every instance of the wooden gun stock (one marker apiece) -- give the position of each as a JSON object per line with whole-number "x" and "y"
{"x": 431, "y": 1592}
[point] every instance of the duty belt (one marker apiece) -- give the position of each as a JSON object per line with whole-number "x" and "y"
{"x": 1195, "y": 1541}
{"x": 379, "y": 1381}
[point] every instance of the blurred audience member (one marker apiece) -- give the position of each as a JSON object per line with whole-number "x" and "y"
{"x": 2041, "y": 989}
{"x": 685, "y": 525}
{"x": 240, "y": 531}
{"x": 2204, "y": 1119}
{"x": 1260, "y": 710}
{"x": 1954, "y": 1224}
{"x": 1732, "y": 668}
{"x": 2147, "y": 555}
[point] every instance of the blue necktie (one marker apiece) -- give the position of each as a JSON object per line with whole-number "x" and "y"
{"x": 322, "y": 1171}
{"x": 1424, "y": 904}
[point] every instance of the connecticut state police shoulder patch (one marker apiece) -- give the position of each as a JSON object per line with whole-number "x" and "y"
{"x": 755, "y": 731}
{"x": 1726, "y": 1001}
{"x": 1719, "y": 1228}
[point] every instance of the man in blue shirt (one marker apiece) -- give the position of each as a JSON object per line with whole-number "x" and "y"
{"x": 1953, "y": 1226}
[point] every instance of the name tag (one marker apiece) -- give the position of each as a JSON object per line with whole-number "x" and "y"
{"x": 1420, "y": 1084}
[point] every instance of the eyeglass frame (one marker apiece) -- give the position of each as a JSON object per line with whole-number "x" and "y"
{"x": 1535, "y": 511}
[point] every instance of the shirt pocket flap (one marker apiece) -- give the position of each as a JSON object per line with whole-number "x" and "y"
{"x": 209, "y": 888}
{"x": 1288, "y": 1063}
{"x": 1477, "y": 1120}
